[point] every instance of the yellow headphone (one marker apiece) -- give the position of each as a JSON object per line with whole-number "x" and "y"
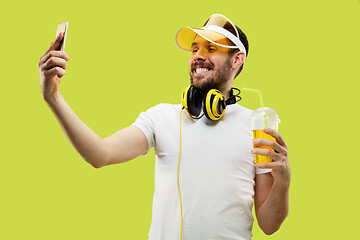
{"x": 213, "y": 104}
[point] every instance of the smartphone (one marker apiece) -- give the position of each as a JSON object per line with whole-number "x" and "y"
{"x": 62, "y": 27}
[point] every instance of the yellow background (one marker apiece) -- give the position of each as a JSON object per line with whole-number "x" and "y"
{"x": 304, "y": 56}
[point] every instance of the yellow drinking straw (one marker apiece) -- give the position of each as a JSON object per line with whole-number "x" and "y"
{"x": 261, "y": 101}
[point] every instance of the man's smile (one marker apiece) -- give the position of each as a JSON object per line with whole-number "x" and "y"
{"x": 201, "y": 70}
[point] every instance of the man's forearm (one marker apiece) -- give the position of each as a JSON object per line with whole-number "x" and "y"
{"x": 275, "y": 208}
{"x": 88, "y": 144}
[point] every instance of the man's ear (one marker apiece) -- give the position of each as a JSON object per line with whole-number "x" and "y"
{"x": 238, "y": 60}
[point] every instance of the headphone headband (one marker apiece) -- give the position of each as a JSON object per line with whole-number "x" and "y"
{"x": 232, "y": 99}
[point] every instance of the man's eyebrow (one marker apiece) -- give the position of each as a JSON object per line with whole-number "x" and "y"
{"x": 193, "y": 44}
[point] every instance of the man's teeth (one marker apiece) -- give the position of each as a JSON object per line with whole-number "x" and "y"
{"x": 201, "y": 70}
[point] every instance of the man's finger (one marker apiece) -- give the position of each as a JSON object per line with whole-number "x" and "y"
{"x": 259, "y": 142}
{"x": 54, "y": 45}
{"x": 269, "y": 165}
{"x": 55, "y": 71}
{"x": 54, "y": 61}
{"x": 59, "y": 54}
{"x": 58, "y": 41}
{"x": 265, "y": 165}
{"x": 268, "y": 153}
{"x": 276, "y": 135}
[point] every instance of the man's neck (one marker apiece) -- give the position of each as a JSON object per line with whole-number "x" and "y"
{"x": 226, "y": 89}
{"x": 226, "y": 92}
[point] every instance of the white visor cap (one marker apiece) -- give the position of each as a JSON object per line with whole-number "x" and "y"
{"x": 216, "y": 27}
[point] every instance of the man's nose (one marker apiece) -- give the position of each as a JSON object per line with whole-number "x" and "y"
{"x": 200, "y": 55}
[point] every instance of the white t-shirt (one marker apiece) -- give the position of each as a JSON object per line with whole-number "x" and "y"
{"x": 216, "y": 174}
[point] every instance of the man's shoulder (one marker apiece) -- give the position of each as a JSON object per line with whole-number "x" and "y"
{"x": 163, "y": 109}
{"x": 166, "y": 107}
{"x": 241, "y": 109}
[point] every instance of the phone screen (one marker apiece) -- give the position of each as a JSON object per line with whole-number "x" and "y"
{"x": 62, "y": 27}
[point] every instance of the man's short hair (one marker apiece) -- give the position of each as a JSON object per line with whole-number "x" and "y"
{"x": 244, "y": 40}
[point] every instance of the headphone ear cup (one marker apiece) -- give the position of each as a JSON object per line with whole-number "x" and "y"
{"x": 214, "y": 105}
{"x": 191, "y": 100}
{"x": 194, "y": 101}
{"x": 184, "y": 98}
{"x": 221, "y": 106}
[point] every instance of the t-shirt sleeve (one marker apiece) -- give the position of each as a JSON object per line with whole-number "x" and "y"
{"x": 146, "y": 122}
{"x": 262, "y": 170}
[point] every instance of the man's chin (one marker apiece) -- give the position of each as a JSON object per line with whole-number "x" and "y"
{"x": 198, "y": 84}
{"x": 198, "y": 81}
{"x": 203, "y": 84}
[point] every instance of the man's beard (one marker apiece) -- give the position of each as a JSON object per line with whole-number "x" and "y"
{"x": 217, "y": 80}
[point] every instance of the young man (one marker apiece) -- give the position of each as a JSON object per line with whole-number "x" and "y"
{"x": 205, "y": 176}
